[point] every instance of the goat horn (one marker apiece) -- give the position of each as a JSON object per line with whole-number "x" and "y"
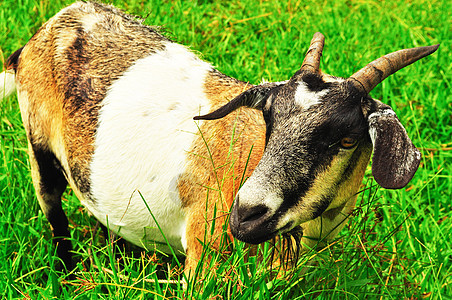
{"x": 375, "y": 72}
{"x": 311, "y": 61}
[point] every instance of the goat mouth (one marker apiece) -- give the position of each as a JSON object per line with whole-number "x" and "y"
{"x": 288, "y": 232}
{"x": 285, "y": 229}
{"x": 260, "y": 237}
{"x": 297, "y": 232}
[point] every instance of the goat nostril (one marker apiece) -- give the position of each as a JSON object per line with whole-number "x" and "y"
{"x": 253, "y": 213}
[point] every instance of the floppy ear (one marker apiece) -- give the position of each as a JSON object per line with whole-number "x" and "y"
{"x": 395, "y": 159}
{"x": 254, "y": 97}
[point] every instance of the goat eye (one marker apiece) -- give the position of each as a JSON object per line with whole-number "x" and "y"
{"x": 348, "y": 142}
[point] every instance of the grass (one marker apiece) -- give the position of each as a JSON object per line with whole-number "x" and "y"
{"x": 398, "y": 243}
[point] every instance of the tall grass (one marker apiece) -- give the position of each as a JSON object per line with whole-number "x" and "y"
{"x": 397, "y": 244}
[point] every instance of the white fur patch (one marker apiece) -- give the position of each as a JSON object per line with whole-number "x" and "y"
{"x": 145, "y": 130}
{"x": 306, "y": 98}
{"x": 90, "y": 21}
{"x": 7, "y": 83}
{"x": 264, "y": 81}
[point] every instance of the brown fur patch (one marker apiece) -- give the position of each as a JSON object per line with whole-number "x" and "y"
{"x": 218, "y": 159}
{"x": 65, "y": 71}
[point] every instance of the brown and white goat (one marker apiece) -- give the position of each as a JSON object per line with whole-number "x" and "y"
{"x": 108, "y": 105}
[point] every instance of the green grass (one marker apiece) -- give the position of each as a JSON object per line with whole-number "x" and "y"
{"x": 398, "y": 243}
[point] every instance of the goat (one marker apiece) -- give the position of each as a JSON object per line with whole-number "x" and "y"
{"x": 108, "y": 103}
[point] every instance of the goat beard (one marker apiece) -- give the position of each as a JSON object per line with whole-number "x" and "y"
{"x": 286, "y": 250}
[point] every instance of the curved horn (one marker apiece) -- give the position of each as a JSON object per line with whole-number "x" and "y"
{"x": 375, "y": 72}
{"x": 311, "y": 61}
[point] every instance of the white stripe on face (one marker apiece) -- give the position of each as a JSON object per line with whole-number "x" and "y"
{"x": 305, "y": 98}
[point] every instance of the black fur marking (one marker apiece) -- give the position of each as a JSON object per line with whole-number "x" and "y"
{"x": 13, "y": 60}
{"x": 78, "y": 88}
{"x": 268, "y": 123}
{"x": 52, "y": 185}
{"x": 320, "y": 206}
{"x": 353, "y": 162}
{"x": 53, "y": 181}
{"x": 315, "y": 82}
{"x": 82, "y": 181}
{"x": 57, "y": 218}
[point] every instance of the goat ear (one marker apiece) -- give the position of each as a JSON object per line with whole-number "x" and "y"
{"x": 395, "y": 158}
{"x": 254, "y": 98}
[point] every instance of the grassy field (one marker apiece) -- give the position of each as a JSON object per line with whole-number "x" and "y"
{"x": 398, "y": 243}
